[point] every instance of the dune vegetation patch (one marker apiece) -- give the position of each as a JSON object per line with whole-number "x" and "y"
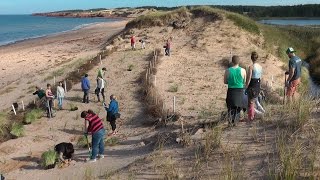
{"x": 178, "y": 16}
{"x": 244, "y": 23}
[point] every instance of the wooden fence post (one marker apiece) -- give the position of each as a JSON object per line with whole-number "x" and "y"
{"x": 22, "y": 105}
{"x": 174, "y": 104}
{"x": 14, "y": 110}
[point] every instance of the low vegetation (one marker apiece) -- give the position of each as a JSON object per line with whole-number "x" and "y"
{"x": 173, "y": 88}
{"x": 32, "y": 116}
{"x": 244, "y": 23}
{"x": 17, "y": 130}
{"x": 49, "y": 159}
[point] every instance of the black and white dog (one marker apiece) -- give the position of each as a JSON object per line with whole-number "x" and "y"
{"x": 65, "y": 151}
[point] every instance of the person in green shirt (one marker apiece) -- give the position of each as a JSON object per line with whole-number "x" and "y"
{"x": 235, "y": 78}
{"x": 101, "y": 73}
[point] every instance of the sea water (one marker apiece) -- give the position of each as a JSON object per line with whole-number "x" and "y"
{"x": 15, "y": 28}
{"x": 296, "y": 22}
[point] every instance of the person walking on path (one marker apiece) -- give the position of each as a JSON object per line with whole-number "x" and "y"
{"x": 85, "y": 86}
{"x": 49, "y": 97}
{"x": 143, "y": 43}
{"x": 253, "y": 84}
{"x": 167, "y": 47}
{"x": 112, "y": 113}
{"x": 294, "y": 77}
{"x": 235, "y": 78}
{"x": 94, "y": 126}
{"x": 60, "y": 95}
{"x": 133, "y": 42}
{"x": 100, "y": 89}
{"x": 101, "y": 73}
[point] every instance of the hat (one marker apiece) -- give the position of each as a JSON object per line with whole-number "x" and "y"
{"x": 290, "y": 50}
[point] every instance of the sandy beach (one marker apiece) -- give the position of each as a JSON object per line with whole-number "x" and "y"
{"x": 35, "y": 61}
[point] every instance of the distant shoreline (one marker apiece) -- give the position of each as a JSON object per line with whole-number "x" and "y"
{"x": 13, "y": 42}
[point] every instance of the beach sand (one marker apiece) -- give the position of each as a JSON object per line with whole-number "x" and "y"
{"x": 34, "y": 62}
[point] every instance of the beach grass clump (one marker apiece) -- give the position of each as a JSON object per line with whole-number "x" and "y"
{"x": 173, "y": 88}
{"x": 49, "y": 159}
{"x": 206, "y": 11}
{"x": 32, "y": 116}
{"x": 244, "y": 22}
{"x": 17, "y": 130}
{"x": 3, "y": 123}
{"x": 158, "y": 18}
{"x": 212, "y": 141}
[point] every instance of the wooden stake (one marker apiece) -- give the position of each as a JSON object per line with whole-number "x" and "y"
{"x": 14, "y": 110}
{"x": 34, "y": 101}
{"x": 65, "y": 86}
{"x": 54, "y": 80}
{"x": 174, "y": 104}
{"x": 155, "y": 80}
{"x": 100, "y": 60}
{"x": 22, "y": 105}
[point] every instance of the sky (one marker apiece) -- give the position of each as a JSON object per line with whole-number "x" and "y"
{"x": 33, "y": 6}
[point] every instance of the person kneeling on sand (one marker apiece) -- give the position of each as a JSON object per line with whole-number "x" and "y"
{"x": 94, "y": 126}
{"x": 65, "y": 151}
{"x": 112, "y": 113}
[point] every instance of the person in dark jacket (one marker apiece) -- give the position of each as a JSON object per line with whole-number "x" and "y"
{"x": 96, "y": 129}
{"x": 65, "y": 151}
{"x": 112, "y": 113}
{"x": 85, "y": 86}
{"x": 40, "y": 92}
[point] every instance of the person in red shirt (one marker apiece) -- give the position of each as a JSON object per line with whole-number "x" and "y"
{"x": 133, "y": 42}
{"x": 94, "y": 126}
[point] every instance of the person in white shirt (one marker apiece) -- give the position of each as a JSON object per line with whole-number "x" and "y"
{"x": 60, "y": 95}
{"x": 100, "y": 89}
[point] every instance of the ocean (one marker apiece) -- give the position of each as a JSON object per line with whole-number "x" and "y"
{"x": 296, "y": 22}
{"x": 15, "y": 28}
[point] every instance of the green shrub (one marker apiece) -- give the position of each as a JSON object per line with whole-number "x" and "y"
{"x": 32, "y": 116}
{"x": 49, "y": 159}
{"x": 17, "y": 129}
{"x": 244, "y": 23}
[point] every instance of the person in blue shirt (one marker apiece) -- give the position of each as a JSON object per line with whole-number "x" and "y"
{"x": 85, "y": 86}
{"x": 112, "y": 113}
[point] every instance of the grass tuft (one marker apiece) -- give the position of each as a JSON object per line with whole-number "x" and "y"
{"x": 173, "y": 88}
{"x": 49, "y": 159}
{"x": 17, "y": 130}
{"x": 32, "y": 116}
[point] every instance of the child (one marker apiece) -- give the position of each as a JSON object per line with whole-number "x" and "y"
{"x": 112, "y": 113}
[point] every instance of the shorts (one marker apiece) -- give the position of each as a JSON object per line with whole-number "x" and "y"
{"x": 292, "y": 88}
